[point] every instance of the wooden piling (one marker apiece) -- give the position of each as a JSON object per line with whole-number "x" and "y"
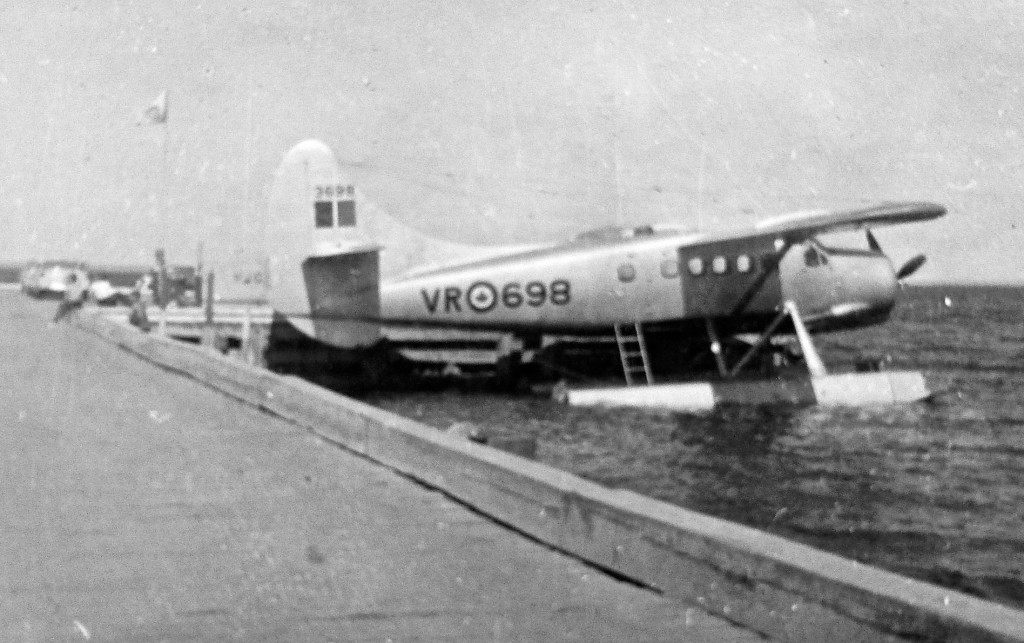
{"x": 209, "y": 336}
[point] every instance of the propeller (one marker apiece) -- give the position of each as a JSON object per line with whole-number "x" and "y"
{"x": 910, "y": 267}
{"x": 907, "y": 269}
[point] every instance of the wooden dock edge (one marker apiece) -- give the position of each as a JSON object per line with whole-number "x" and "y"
{"x": 785, "y": 590}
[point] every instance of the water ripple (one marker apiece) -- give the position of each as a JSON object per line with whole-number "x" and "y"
{"x": 934, "y": 490}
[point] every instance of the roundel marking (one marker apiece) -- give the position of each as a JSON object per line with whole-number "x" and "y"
{"x": 482, "y": 296}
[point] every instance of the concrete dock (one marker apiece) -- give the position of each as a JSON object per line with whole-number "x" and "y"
{"x": 140, "y": 505}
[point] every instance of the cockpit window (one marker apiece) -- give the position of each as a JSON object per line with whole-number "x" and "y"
{"x": 615, "y": 233}
{"x": 814, "y": 257}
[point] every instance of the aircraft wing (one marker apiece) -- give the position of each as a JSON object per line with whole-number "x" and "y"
{"x": 802, "y": 225}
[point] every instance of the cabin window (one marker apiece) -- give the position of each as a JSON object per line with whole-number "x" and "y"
{"x": 627, "y": 272}
{"x": 669, "y": 268}
{"x": 719, "y": 265}
{"x": 744, "y": 264}
{"x": 324, "y": 214}
{"x": 346, "y": 213}
{"x": 695, "y": 266}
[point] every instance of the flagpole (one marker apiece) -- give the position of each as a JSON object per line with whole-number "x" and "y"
{"x": 156, "y": 114}
{"x": 162, "y": 210}
{"x": 161, "y": 213}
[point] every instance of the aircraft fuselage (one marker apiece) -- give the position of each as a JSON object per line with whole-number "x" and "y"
{"x": 589, "y": 286}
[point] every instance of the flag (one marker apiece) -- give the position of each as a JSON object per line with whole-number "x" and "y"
{"x": 157, "y": 112}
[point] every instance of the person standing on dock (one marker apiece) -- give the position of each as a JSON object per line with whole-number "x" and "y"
{"x": 74, "y": 294}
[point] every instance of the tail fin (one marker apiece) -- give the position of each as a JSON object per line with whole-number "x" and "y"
{"x": 324, "y": 270}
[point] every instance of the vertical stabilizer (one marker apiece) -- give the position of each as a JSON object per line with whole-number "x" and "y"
{"x": 324, "y": 270}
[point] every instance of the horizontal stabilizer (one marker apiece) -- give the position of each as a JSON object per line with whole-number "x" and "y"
{"x": 331, "y": 249}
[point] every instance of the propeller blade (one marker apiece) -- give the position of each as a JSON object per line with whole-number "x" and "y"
{"x": 906, "y": 269}
{"x": 910, "y": 267}
{"x": 873, "y": 242}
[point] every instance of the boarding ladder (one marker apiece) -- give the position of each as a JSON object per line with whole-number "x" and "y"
{"x": 636, "y": 366}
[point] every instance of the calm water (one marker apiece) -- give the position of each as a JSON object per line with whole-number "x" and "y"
{"x": 933, "y": 490}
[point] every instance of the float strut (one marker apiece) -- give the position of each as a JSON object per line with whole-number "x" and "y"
{"x": 811, "y": 357}
{"x": 761, "y": 341}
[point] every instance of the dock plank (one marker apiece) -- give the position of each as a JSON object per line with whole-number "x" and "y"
{"x": 139, "y": 505}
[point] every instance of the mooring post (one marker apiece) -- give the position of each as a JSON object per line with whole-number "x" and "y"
{"x": 209, "y": 330}
{"x": 208, "y": 298}
{"x": 162, "y": 294}
{"x": 247, "y": 351}
{"x": 260, "y": 337}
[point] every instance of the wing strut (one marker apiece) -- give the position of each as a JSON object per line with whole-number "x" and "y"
{"x": 755, "y": 287}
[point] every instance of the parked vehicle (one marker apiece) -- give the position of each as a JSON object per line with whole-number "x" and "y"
{"x": 49, "y": 278}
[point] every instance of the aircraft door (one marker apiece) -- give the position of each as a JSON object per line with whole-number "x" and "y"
{"x": 730, "y": 277}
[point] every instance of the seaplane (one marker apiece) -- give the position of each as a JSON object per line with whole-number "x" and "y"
{"x": 344, "y": 277}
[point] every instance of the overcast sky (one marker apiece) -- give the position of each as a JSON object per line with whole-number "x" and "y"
{"x": 511, "y": 121}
